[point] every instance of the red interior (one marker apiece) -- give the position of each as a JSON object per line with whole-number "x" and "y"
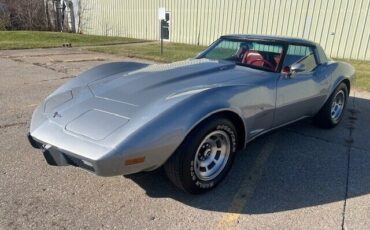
{"x": 253, "y": 57}
{"x": 277, "y": 59}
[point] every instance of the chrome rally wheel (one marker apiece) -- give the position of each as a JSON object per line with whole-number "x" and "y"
{"x": 332, "y": 111}
{"x": 337, "y": 105}
{"x": 212, "y": 155}
{"x": 205, "y": 156}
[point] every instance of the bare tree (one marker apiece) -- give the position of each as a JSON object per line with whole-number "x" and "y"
{"x": 83, "y": 16}
{"x": 4, "y": 17}
{"x": 26, "y": 14}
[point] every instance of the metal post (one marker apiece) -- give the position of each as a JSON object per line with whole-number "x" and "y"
{"x": 161, "y": 28}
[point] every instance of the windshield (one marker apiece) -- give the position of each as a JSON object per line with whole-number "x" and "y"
{"x": 261, "y": 55}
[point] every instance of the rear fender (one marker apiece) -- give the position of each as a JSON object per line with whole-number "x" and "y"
{"x": 344, "y": 72}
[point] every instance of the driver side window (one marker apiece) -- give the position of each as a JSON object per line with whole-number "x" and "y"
{"x": 300, "y": 54}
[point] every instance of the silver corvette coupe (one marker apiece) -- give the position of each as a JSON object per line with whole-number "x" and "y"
{"x": 190, "y": 116}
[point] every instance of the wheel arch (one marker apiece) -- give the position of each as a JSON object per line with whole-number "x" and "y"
{"x": 348, "y": 84}
{"x": 233, "y": 116}
{"x": 340, "y": 80}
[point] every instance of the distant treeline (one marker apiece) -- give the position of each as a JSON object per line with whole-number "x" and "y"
{"x": 53, "y": 15}
{"x": 23, "y": 15}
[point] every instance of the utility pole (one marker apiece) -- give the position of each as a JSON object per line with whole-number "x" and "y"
{"x": 161, "y": 36}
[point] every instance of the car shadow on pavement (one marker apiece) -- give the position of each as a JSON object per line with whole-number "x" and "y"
{"x": 306, "y": 166}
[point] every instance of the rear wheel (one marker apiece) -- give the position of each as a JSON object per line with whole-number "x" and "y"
{"x": 205, "y": 157}
{"x": 332, "y": 112}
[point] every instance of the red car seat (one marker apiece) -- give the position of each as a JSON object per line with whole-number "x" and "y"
{"x": 253, "y": 57}
{"x": 256, "y": 59}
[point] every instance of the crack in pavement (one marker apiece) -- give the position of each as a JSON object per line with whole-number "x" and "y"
{"x": 43, "y": 65}
{"x": 349, "y": 141}
{"x": 323, "y": 139}
{"x": 48, "y": 80}
{"x": 46, "y": 66}
{"x": 42, "y": 55}
{"x": 307, "y": 135}
{"x": 84, "y": 60}
{"x": 61, "y": 78}
{"x": 12, "y": 125}
{"x": 64, "y": 70}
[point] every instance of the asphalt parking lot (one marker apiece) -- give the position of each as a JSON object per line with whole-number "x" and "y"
{"x": 298, "y": 177}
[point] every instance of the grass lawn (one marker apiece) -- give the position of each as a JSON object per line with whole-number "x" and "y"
{"x": 171, "y": 51}
{"x": 35, "y": 39}
{"x": 362, "y": 81}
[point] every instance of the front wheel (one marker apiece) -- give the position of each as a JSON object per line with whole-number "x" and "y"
{"x": 332, "y": 112}
{"x": 205, "y": 157}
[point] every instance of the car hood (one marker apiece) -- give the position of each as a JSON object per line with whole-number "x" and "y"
{"x": 131, "y": 99}
{"x": 156, "y": 81}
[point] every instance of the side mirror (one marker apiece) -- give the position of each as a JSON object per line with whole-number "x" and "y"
{"x": 296, "y": 68}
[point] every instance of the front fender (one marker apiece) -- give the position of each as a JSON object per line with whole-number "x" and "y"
{"x": 160, "y": 137}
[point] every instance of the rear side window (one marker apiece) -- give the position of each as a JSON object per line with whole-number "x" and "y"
{"x": 300, "y": 54}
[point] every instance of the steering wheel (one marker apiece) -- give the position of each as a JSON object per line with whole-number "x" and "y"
{"x": 240, "y": 53}
{"x": 269, "y": 65}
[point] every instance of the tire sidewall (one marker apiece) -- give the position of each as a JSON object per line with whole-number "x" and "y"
{"x": 190, "y": 180}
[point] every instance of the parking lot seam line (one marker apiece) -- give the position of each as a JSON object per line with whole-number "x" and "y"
{"x": 247, "y": 186}
{"x": 322, "y": 139}
{"x": 349, "y": 141}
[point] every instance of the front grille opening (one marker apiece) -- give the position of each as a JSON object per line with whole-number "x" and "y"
{"x": 79, "y": 163}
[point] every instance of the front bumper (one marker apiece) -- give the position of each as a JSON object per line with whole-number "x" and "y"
{"x": 56, "y": 157}
{"x": 111, "y": 165}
